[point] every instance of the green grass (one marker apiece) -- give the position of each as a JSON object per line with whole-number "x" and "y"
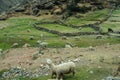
{"x": 86, "y": 41}
{"x": 117, "y": 11}
{"x": 16, "y": 31}
{"x": 88, "y": 18}
{"x": 59, "y": 28}
{"x": 88, "y": 29}
{"x": 113, "y": 25}
{"x": 84, "y": 74}
{"x": 97, "y": 15}
{"x": 77, "y": 21}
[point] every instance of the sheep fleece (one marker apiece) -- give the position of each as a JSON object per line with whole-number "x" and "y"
{"x": 64, "y": 67}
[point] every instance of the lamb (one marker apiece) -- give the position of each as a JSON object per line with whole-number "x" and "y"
{"x": 59, "y": 70}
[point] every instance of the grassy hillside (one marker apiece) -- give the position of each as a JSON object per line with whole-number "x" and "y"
{"x": 19, "y": 29}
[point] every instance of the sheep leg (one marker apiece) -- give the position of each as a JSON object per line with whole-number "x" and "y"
{"x": 53, "y": 75}
{"x": 73, "y": 73}
{"x": 58, "y": 76}
{"x": 61, "y": 76}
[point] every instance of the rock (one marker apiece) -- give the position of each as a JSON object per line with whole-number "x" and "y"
{"x": 110, "y": 30}
{"x": 57, "y": 11}
{"x": 5, "y": 34}
{"x": 64, "y": 37}
{"x": 26, "y": 45}
{"x": 112, "y": 78}
{"x": 28, "y": 30}
{"x": 31, "y": 38}
{"x": 76, "y": 60}
{"x": 35, "y": 11}
{"x": 15, "y": 45}
{"x": 2, "y": 28}
{"x": 77, "y": 38}
{"x": 16, "y": 72}
{"x": 41, "y": 52}
{"x": 52, "y": 79}
{"x": 38, "y": 42}
{"x": 3, "y": 16}
{"x": 67, "y": 46}
{"x": 20, "y": 9}
{"x": 91, "y": 72}
{"x": 99, "y": 37}
{"x": 80, "y": 28}
{"x": 43, "y": 45}
{"x": 91, "y": 48}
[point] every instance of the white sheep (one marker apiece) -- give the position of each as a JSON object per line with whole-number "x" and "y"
{"x": 61, "y": 69}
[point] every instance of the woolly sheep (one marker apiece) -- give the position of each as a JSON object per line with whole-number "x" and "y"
{"x": 61, "y": 69}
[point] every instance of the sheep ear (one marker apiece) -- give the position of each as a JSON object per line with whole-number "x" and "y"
{"x": 49, "y": 61}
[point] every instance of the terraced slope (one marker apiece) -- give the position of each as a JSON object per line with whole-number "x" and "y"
{"x": 20, "y": 29}
{"x": 113, "y": 22}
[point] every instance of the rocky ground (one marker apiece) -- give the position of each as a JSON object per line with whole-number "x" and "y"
{"x": 30, "y": 58}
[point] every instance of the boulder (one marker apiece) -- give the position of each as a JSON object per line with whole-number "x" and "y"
{"x": 112, "y": 78}
{"x": 3, "y": 16}
{"x": 20, "y": 9}
{"x": 15, "y": 45}
{"x": 26, "y": 45}
{"x": 31, "y": 38}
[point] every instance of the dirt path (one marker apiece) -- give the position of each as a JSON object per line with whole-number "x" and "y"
{"x": 23, "y": 57}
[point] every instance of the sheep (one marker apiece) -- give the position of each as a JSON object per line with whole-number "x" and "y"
{"x": 59, "y": 70}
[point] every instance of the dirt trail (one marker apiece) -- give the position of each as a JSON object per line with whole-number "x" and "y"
{"x": 85, "y": 56}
